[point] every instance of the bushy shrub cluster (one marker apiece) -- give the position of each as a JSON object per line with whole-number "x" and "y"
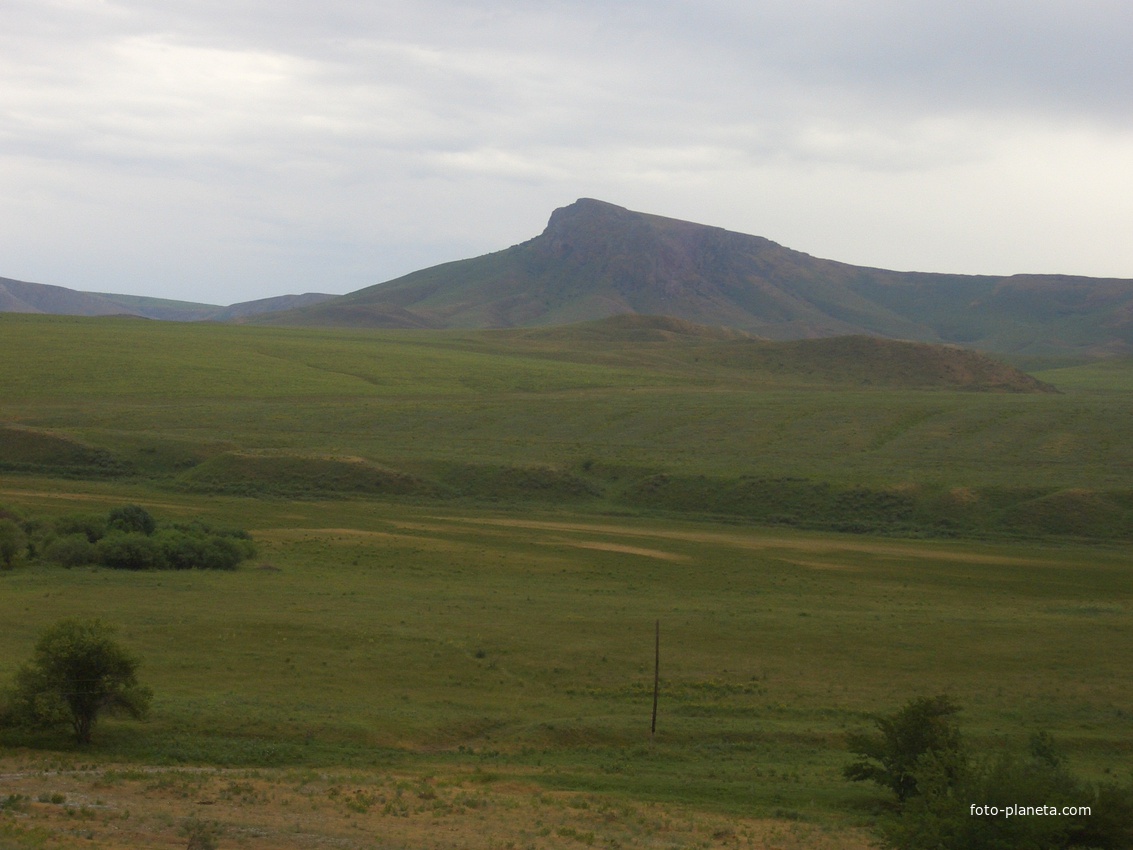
{"x": 130, "y": 538}
{"x": 951, "y": 798}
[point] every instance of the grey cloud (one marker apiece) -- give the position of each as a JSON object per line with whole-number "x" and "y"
{"x": 267, "y": 144}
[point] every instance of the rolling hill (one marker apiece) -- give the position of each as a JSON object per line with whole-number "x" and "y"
{"x": 596, "y": 259}
{"x": 628, "y": 413}
{"x": 18, "y": 296}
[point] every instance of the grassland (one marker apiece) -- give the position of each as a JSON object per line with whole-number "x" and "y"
{"x": 406, "y": 642}
{"x": 809, "y": 436}
{"x": 484, "y": 634}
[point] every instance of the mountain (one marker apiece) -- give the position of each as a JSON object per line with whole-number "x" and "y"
{"x": 17, "y": 296}
{"x": 595, "y": 259}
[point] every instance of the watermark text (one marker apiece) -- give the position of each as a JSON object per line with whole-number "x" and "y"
{"x": 1024, "y": 811}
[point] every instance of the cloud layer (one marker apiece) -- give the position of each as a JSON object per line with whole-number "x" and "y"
{"x": 228, "y": 151}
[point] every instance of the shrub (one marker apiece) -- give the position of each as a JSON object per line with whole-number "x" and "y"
{"x": 891, "y": 756}
{"x": 181, "y": 551}
{"x": 221, "y": 553}
{"x": 92, "y": 527}
{"x": 13, "y": 540}
{"x": 197, "y": 547}
{"x": 943, "y": 815}
{"x": 132, "y": 519}
{"x": 73, "y": 550}
{"x": 942, "y": 790}
{"x": 129, "y": 538}
{"x": 202, "y": 834}
{"x": 130, "y": 552}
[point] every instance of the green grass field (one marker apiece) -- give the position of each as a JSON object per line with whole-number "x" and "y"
{"x": 366, "y": 633}
{"x": 465, "y": 543}
{"x": 636, "y": 422}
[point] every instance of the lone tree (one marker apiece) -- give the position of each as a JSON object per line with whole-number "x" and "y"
{"x": 77, "y": 672}
{"x": 892, "y": 756}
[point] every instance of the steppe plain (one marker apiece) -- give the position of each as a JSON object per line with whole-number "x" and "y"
{"x": 466, "y": 538}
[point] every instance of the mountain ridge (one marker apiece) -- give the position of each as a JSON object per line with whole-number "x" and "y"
{"x": 18, "y": 296}
{"x": 596, "y": 259}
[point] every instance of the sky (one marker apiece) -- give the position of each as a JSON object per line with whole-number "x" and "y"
{"x": 227, "y": 150}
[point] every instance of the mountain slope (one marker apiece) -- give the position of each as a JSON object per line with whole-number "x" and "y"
{"x": 187, "y": 311}
{"x": 595, "y": 259}
{"x": 17, "y": 296}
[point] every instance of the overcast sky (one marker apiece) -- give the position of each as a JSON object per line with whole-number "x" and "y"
{"x": 224, "y": 150}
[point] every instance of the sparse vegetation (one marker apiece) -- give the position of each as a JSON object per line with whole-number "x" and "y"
{"x": 202, "y": 834}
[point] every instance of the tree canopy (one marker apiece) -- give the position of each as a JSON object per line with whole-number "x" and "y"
{"x": 890, "y": 757}
{"x": 77, "y": 672}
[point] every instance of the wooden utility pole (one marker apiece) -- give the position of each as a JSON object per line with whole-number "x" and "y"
{"x": 656, "y": 677}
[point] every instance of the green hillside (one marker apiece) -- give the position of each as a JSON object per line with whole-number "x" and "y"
{"x": 628, "y": 414}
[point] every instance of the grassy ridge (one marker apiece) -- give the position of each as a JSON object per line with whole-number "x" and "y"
{"x": 588, "y": 414}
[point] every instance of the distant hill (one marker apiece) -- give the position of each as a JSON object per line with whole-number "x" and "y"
{"x": 595, "y": 259}
{"x": 662, "y": 342}
{"x": 243, "y": 309}
{"x": 17, "y": 296}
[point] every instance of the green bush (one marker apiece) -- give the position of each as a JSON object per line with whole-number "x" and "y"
{"x": 13, "y": 541}
{"x": 131, "y": 519}
{"x": 949, "y": 799}
{"x": 129, "y": 538}
{"x": 130, "y": 552}
{"x": 181, "y": 551}
{"x": 892, "y": 756}
{"x": 93, "y": 527}
{"x": 221, "y": 553}
{"x": 203, "y": 550}
{"x": 963, "y": 806}
{"x": 72, "y": 550}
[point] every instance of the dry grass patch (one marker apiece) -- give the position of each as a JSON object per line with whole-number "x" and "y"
{"x": 760, "y": 541}
{"x": 601, "y": 546}
{"x": 122, "y": 806}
